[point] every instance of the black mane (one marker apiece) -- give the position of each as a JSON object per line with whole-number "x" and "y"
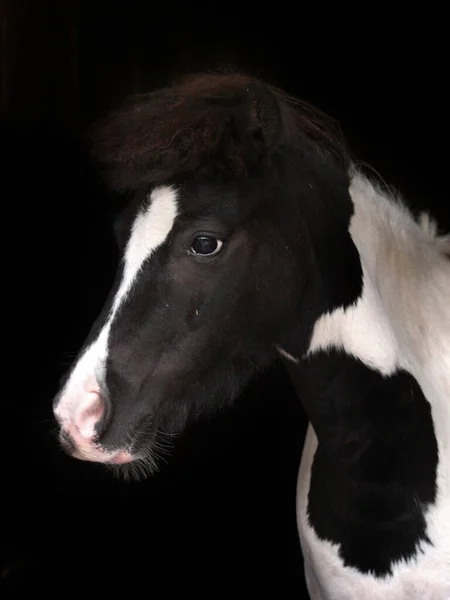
{"x": 230, "y": 120}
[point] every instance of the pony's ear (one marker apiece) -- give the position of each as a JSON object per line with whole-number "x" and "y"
{"x": 259, "y": 123}
{"x": 253, "y": 123}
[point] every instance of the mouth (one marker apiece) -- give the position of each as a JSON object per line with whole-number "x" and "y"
{"x": 76, "y": 447}
{"x": 132, "y": 464}
{"x": 121, "y": 457}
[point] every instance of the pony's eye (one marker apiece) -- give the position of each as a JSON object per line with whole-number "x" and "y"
{"x": 206, "y": 245}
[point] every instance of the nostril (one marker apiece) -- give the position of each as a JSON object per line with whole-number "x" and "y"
{"x": 88, "y": 414}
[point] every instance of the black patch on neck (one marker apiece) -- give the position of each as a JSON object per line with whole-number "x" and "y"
{"x": 374, "y": 472}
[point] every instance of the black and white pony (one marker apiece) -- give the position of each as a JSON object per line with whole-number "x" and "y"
{"x": 248, "y": 236}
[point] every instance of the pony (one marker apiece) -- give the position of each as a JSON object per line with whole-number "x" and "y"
{"x": 249, "y": 236}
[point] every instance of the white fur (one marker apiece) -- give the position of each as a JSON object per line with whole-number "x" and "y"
{"x": 402, "y": 320}
{"x": 150, "y": 229}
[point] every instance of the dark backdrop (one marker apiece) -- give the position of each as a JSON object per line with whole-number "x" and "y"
{"x": 221, "y": 514}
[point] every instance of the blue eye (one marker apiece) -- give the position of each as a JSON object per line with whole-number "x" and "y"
{"x": 206, "y": 245}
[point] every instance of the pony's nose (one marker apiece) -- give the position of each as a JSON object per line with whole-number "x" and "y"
{"x": 89, "y": 414}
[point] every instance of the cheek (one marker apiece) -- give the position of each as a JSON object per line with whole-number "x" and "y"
{"x": 211, "y": 292}
{"x": 270, "y": 291}
{"x": 193, "y": 287}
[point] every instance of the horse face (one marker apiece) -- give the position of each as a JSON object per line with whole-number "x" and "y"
{"x": 203, "y": 288}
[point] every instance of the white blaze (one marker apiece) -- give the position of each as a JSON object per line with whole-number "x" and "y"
{"x": 150, "y": 229}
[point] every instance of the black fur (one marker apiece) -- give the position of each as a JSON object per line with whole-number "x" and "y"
{"x": 217, "y": 123}
{"x": 374, "y": 472}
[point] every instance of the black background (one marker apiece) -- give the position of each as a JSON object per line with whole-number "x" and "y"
{"x": 221, "y": 514}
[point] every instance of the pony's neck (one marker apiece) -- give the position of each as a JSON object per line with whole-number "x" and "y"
{"x": 407, "y": 283}
{"x": 406, "y": 267}
{"x": 402, "y": 319}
